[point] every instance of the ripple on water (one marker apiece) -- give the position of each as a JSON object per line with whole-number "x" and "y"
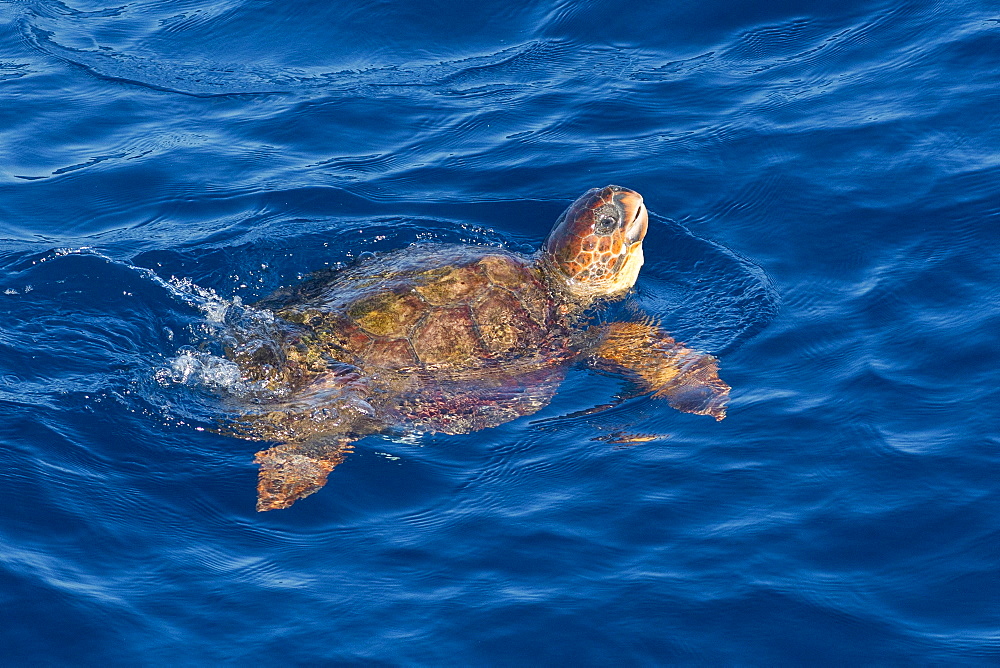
{"x": 170, "y": 164}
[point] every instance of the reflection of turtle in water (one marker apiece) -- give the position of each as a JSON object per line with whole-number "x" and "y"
{"x": 452, "y": 339}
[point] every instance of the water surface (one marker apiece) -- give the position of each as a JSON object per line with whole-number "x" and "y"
{"x": 824, "y": 181}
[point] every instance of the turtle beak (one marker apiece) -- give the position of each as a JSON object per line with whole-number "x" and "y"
{"x": 635, "y": 211}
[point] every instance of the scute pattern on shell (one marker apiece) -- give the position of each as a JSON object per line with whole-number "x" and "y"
{"x": 485, "y": 305}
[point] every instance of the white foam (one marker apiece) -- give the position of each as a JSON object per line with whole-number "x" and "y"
{"x": 193, "y": 367}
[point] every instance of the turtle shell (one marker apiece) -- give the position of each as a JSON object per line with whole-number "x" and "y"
{"x": 473, "y": 308}
{"x": 449, "y": 338}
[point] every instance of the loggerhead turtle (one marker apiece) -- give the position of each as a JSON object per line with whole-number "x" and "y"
{"x": 453, "y": 339}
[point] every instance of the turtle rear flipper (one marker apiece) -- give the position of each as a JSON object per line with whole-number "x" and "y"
{"x": 687, "y": 379}
{"x": 291, "y": 471}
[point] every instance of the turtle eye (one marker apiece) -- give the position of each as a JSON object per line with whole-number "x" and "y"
{"x": 606, "y": 220}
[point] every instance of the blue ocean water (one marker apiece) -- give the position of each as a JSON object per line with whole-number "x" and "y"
{"x": 824, "y": 182}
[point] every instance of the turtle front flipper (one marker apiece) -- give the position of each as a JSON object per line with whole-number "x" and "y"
{"x": 687, "y": 379}
{"x": 291, "y": 471}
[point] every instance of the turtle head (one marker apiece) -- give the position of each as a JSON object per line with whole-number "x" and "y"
{"x": 595, "y": 248}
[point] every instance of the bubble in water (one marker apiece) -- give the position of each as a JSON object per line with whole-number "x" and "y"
{"x": 194, "y": 367}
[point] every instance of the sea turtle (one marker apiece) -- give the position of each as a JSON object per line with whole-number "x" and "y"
{"x": 453, "y": 339}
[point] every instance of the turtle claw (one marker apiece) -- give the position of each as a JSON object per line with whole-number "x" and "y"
{"x": 287, "y": 475}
